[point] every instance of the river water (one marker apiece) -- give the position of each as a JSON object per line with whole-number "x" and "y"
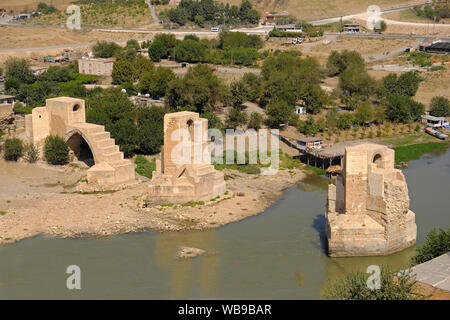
{"x": 278, "y": 254}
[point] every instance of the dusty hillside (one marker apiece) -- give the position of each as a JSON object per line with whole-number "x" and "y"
{"x": 315, "y": 9}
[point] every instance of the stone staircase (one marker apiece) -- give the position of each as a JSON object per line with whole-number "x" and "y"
{"x": 107, "y": 156}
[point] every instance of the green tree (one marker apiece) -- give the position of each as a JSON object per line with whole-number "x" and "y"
{"x": 19, "y": 68}
{"x": 356, "y": 81}
{"x": 104, "y": 49}
{"x": 213, "y": 120}
{"x": 156, "y": 83}
{"x": 252, "y": 85}
{"x": 168, "y": 42}
{"x": 199, "y": 90}
{"x": 440, "y": 107}
{"x": 256, "y": 121}
{"x": 403, "y": 109}
{"x": 116, "y": 112}
{"x": 156, "y": 51}
{"x": 141, "y": 66}
{"x": 314, "y": 98}
{"x": 190, "y": 51}
{"x": 123, "y": 71}
{"x": 407, "y": 84}
{"x": 56, "y": 150}
{"x": 331, "y": 118}
{"x": 364, "y": 113}
{"x": 338, "y": 62}
{"x": 344, "y": 121}
{"x": 236, "y": 117}
{"x": 279, "y": 113}
{"x": 150, "y": 129}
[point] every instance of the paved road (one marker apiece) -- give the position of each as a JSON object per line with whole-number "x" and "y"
{"x": 435, "y": 272}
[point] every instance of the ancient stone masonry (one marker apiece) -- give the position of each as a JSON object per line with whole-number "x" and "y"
{"x": 65, "y": 117}
{"x": 184, "y": 172}
{"x": 368, "y": 206}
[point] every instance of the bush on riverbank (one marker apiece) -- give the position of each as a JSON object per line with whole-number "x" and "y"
{"x": 435, "y": 245}
{"x": 56, "y": 150}
{"x": 393, "y": 286}
{"x": 12, "y": 149}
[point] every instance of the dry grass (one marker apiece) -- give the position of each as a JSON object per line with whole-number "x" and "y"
{"x": 24, "y": 5}
{"x": 436, "y": 83}
{"x": 409, "y": 16}
{"x": 133, "y": 14}
{"x": 363, "y": 46}
{"x": 314, "y": 9}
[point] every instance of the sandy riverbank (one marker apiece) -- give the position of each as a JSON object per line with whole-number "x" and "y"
{"x": 40, "y": 199}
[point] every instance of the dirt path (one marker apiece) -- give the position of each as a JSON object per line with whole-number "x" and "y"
{"x": 38, "y": 199}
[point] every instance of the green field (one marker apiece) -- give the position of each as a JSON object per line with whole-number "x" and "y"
{"x": 415, "y": 151}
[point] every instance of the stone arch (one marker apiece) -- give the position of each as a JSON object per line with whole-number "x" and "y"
{"x": 378, "y": 160}
{"x": 75, "y": 138}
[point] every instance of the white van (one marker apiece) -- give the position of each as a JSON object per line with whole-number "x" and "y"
{"x": 215, "y": 29}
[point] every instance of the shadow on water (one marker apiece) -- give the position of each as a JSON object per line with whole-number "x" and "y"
{"x": 318, "y": 224}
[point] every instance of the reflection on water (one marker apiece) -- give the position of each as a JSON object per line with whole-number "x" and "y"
{"x": 279, "y": 254}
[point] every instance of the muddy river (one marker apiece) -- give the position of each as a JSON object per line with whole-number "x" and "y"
{"x": 278, "y": 254}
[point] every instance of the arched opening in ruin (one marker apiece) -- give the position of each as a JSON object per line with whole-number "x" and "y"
{"x": 76, "y": 107}
{"x": 377, "y": 159}
{"x": 81, "y": 149}
{"x": 190, "y": 125}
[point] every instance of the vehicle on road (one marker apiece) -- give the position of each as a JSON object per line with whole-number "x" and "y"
{"x": 215, "y": 29}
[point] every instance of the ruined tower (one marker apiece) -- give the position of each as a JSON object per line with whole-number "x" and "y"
{"x": 184, "y": 172}
{"x": 368, "y": 207}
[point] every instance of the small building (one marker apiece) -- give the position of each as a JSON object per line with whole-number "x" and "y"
{"x": 5, "y": 99}
{"x": 287, "y": 28}
{"x": 146, "y": 100}
{"x": 38, "y": 70}
{"x": 300, "y": 109}
{"x": 309, "y": 143}
{"x": 351, "y": 28}
{"x": 435, "y": 46}
{"x": 272, "y": 17}
{"x": 434, "y": 122}
{"x": 98, "y": 67}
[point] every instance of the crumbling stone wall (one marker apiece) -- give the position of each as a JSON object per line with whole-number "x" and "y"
{"x": 374, "y": 218}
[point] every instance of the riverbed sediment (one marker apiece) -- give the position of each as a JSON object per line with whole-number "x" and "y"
{"x": 40, "y": 199}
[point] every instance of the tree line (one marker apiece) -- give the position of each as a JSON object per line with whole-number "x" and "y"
{"x": 210, "y": 13}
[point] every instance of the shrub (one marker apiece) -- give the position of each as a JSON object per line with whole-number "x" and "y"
{"x": 56, "y": 150}
{"x": 255, "y": 121}
{"x": 13, "y": 149}
{"x": 144, "y": 167}
{"x": 354, "y": 286}
{"x": 436, "y": 244}
{"x": 31, "y": 153}
{"x": 21, "y": 108}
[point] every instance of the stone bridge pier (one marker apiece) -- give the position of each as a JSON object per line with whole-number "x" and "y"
{"x": 66, "y": 118}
